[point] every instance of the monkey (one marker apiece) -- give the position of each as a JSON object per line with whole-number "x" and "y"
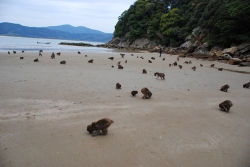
{"x": 194, "y": 68}
{"x": 246, "y": 85}
{"x": 226, "y": 105}
{"x": 146, "y": 93}
{"x": 40, "y": 54}
{"x": 86, "y": 55}
{"x": 132, "y": 54}
{"x": 21, "y": 57}
{"x": 101, "y": 125}
{"x": 91, "y": 61}
{"x": 144, "y": 71}
{"x": 149, "y": 61}
{"x": 53, "y": 56}
{"x": 122, "y": 55}
{"x": 118, "y": 86}
{"x": 163, "y": 59}
{"x": 79, "y": 52}
{"x": 14, "y": 52}
{"x": 112, "y": 66}
{"x": 152, "y": 58}
{"x": 126, "y": 61}
{"x": 134, "y": 92}
{"x": 23, "y": 51}
{"x": 111, "y": 58}
{"x": 224, "y": 88}
{"x": 186, "y": 62}
{"x": 190, "y": 62}
{"x": 36, "y": 60}
{"x": 180, "y": 66}
{"x": 220, "y": 69}
{"x": 178, "y": 59}
{"x": 59, "y": 53}
{"x": 201, "y": 65}
{"x": 162, "y": 75}
{"x": 119, "y": 66}
{"x": 212, "y": 65}
{"x": 169, "y": 65}
{"x": 142, "y": 57}
{"x": 175, "y": 64}
{"x": 63, "y": 62}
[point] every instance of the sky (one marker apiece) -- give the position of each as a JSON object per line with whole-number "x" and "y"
{"x": 95, "y": 14}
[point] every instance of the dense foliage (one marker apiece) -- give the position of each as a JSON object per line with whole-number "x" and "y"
{"x": 169, "y": 22}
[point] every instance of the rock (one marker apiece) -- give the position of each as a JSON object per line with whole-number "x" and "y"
{"x": 235, "y": 61}
{"x": 218, "y": 53}
{"x": 186, "y": 45}
{"x": 230, "y": 50}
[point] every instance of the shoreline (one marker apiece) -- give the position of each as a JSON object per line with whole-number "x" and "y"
{"x": 46, "y": 107}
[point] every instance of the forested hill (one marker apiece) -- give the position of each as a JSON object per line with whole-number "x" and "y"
{"x": 169, "y": 22}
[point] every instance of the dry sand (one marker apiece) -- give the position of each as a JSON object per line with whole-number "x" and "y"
{"x": 46, "y": 107}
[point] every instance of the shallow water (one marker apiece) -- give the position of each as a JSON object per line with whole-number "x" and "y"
{"x": 30, "y": 44}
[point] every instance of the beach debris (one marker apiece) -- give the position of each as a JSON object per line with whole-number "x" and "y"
{"x": 126, "y": 61}
{"x": 134, "y": 92}
{"x": 8, "y": 52}
{"x": 79, "y": 52}
{"x": 180, "y": 66}
{"x": 246, "y": 85}
{"x": 226, "y": 105}
{"x": 162, "y": 75}
{"x": 190, "y": 62}
{"x": 146, "y": 93}
{"x": 86, "y": 55}
{"x": 111, "y": 58}
{"x": 224, "y": 88}
{"x": 112, "y": 66}
{"x": 201, "y": 65}
{"x": 149, "y": 61}
{"x": 21, "y": 58}
{"x": 169, "y": 65}
{"x": 63, "y": 62}
{"x": 101, "y": 125}
{"x": 163, "y": 59}
{"x": 23, "y": 51}
{"x": 118, "y": 86}
{"x": 144, "y": 71}
{"x": 119, "y": 66}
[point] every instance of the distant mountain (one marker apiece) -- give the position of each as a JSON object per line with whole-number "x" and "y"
{"x": 10, "y": 29}
{"x": 74, "y": 30}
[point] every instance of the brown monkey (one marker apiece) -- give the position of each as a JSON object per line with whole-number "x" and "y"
{"x": 194, "y": 68}
{"x": 146, "y": 93}
{"x": 149, "y": 61}
{"x": 101, "y": 125}
{"x": 212, "y": 65}
{"x": 63, "y": 62}
{"x": 201, "y": 65}
{"x": 185, "y": 62}
{"x": 162, "y": 75}
{"x": 91, "y": 61}
{"x": 36, "y": 60}
{"x": 226, "y": 105}
{"x": 152, "y": 58}
{"x": 53, "y": 56}
{"x": 175, "y": 64}
{"x": 21, "y": 57}
{"x": 134, "y": 92}
{"x": 163, "y": 59}
{"x": 246, "y": 85}
{"x": 122, "y": 55}
{"x": 142, "y": 57}
{"x": 220, "y": 69}
{"x": 79, "y": 52}
{"x": 224, "y": 88}
{"x": 59, "y": 53}
{"x": 111, "y": 58}
{"x": 119, "y": 66}
{"x": 180, "y": 66}
{"x": 144, "y": 71}
{"x": 118, "y": 86}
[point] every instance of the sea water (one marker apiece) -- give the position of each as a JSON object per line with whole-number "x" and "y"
{"x": 8, "y": 43}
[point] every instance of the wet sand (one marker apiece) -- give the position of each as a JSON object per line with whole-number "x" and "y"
{"x": 46, "y": 107}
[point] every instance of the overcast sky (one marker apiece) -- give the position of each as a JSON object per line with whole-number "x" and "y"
{"x": 94, "y": 14}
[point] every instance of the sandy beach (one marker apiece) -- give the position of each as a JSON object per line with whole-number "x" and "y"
{"x": 46, "y": 107}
